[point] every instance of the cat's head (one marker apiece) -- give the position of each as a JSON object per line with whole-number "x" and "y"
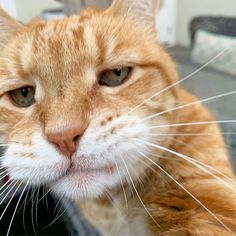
{"x": 73, "y": 97}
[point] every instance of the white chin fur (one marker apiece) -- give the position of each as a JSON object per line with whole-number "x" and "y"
{"x": 78, "y": 187}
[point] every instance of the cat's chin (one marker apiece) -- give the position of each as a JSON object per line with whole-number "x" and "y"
{"x": 85, "y": 184}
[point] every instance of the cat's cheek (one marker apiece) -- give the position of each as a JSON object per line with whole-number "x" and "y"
{"x": 40, "y": 167}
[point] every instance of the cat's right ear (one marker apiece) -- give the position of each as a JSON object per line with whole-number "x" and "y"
{"x": 142, "y": 11}
{"x": 8, "y": 27}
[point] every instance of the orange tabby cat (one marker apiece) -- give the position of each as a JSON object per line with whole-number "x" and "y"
{"x": 79, "y": 115}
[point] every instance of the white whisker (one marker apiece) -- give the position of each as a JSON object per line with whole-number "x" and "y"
{"x": 194, "y": 123}
{"x": 194, "y": 134}
{"x": 122, "y": 185}
{"x": 26, "y": 197}
{"x": 11, "y": 186}
{"x": 57, "y": 217}
{"x": 7, "y": 174}
{"x": 44, "y": 195}
{"x": 32, "y": 210}
{"x": 127, "y": 170}
{"x": 3, "y": 145}
{"x": 8, "y": 231}
{"x": 180, "y": 81}
{"x": 115, "y": 204}
{"x": 194, "y": 162}
{"x": 36, "y": 206}
{"x": 189, "y": 104}
{"x": 190, "y": 194}
{"x": 203, "y": 164}
{"x": 13, "y": 195}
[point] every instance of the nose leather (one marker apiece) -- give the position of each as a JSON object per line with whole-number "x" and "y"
{"x": 66, "y": 139}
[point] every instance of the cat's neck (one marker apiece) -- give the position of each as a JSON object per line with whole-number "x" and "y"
{"x": 155, "y": 185}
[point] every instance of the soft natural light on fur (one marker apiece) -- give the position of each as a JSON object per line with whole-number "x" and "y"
{"x": 144, "y": 157}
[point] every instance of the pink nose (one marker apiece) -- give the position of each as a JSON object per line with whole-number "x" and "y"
{"x": 66, "y": 139}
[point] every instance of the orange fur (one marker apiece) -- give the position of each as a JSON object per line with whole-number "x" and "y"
{"x": 64, "y": 58}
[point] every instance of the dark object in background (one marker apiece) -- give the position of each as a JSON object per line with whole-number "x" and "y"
{"x": 38, "y": 217}
{"x": 218, "y": 25}
{"x": 45, "y": 214}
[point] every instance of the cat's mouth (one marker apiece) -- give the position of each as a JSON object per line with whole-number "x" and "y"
{"x": 83, "y": 172}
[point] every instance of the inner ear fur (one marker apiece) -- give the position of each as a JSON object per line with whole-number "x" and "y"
{"x": 142, "y": 11}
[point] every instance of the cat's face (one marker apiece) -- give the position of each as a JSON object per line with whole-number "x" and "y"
{"x": 67, "y": 93}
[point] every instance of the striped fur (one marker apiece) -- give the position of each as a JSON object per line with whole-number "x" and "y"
{"x": 64, "y": 59}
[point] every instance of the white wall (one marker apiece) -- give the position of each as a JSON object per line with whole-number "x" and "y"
{"x": 188, "y": 9}
{"x": 9, "y": 6}
{"x": 166, "y": 22}
{"x": 29, "y": 9}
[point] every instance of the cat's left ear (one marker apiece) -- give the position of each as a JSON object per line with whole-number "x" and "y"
{"x": 142, "y": 11}
{"x": 8, "y": 27}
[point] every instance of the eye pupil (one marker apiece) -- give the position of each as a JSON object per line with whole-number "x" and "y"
{"x": 117, "y": 72}
{"x": 25, "y": 92}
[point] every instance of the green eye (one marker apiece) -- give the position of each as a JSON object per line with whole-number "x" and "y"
{"x": 23, "y": 97}
{"x": 115, "y": 77}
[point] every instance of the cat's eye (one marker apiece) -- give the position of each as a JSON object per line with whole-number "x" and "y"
{"x": 115, "y": 77}
{"x": 23, "y": 97}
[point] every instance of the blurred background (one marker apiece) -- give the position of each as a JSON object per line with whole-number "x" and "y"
{"x": 201, "y": 38}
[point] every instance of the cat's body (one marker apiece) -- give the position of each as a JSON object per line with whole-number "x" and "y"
{"x": 78, "y": 114}
{"x": 174, "y": 210}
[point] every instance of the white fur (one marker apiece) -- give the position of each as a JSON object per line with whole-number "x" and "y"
{"x": 125, "y": 224}
{"x": 45, "y": 164}
{"x": 42, "y": 163}
{"x": 99, "y": 148}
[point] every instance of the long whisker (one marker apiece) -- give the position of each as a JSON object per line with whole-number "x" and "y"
{"x": 7, "y": 173}
{"x": 44, "y": 195}
{"x": 23, "y": 191}
{"x": 36, "y": 207}
{"x": 159, "y": 156}
{"x": 193, "y": 134}
{"x": 32, "y": 210}
{"x": 4, "y": 185}
{"x": 202, "y": 164}
{"x": 190, "y": 104}
{"x": 5, "y": 189}
{"x": 13, "y": 195}
{"x": 115, "y": 204}
{"x": 25, "y": 201}
{"x": 3, "y": 145}
{"x": 195, "y": 123}
{"x": 138, "y": 178}
{"x": 127, "y": 170}
{"x": 58, "y": 215}
{"x": 122, "y": 185}
{"x": 58, "y": 203}
{"x": 206, "y": 168}
{"x": 181, "y": 80}
{"x": 190, "y": 194}
{"x": 2, "y": 168}
{"x": 194, "y": 162}
{"x": 11, "y": 186}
